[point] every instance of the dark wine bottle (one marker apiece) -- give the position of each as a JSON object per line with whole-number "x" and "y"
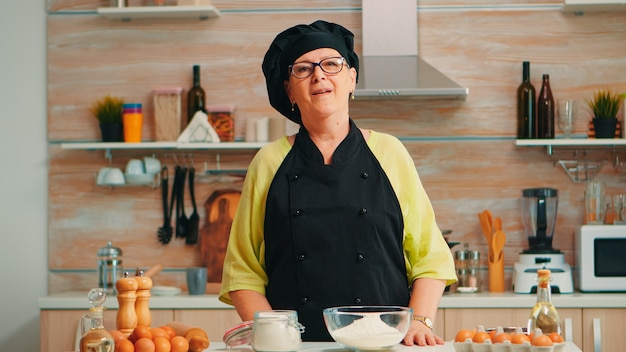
{"x": 545, "y": 110}
{"x": 195, "y": 97}
{"x": 526, "y": 112}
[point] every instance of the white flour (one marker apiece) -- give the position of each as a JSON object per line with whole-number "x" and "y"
{"x": 368, "y": 333}
{"x": 275, "y": 335}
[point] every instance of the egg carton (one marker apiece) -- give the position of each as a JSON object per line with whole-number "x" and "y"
{"x": 487, "y": 346}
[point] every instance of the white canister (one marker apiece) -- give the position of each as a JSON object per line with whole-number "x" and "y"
{"x": 276, "y": 331}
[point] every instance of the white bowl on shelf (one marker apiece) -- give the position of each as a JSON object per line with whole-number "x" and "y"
{"x": 112, "y": 177}
{"x": 139, "y": 179}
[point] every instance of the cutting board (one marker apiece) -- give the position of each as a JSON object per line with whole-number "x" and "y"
{"x": 220, "y": 209}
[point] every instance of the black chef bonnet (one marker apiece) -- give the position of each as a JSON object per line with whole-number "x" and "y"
{"x": 293, "y": 43}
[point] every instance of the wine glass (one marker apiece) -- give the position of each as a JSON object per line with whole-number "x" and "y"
{"x": 566, "y": 112}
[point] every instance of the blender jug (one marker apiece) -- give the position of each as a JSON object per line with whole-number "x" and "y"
{"x": 539, "y": 206}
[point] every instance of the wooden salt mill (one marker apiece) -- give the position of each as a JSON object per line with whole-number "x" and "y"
{"x": 142, "y": 306}
{"x": 126, "y": 320}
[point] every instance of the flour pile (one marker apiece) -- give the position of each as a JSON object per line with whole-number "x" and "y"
{"x": 368, "y": 333}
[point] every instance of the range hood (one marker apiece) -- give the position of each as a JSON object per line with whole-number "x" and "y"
{"x": 390, "y": 65}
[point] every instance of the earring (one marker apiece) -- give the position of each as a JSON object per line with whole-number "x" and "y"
{"x": 352, "y": 95}
{"x": 292, "y": 106}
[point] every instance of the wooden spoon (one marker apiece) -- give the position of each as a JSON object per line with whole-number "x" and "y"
{"x": 485, "y": 224}
{"x": 499, "y": 239}
{"x": 497, "y": 224}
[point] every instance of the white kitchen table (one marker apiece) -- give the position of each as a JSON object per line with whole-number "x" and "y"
{"x": 334, "y": 347}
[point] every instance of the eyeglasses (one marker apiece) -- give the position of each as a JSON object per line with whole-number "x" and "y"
{"x": 330, "y": 65}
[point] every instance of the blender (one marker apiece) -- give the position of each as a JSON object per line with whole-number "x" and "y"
{"x": 539, "y": 207}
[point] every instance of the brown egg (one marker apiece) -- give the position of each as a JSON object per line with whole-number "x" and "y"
{"x": 519, "y": 339}
{"x": 463, "y": 335}
{"x": 480, "y": 337}
{"x": 179, "y": 344}
{"x": 118, "y": 335}
{"x": 124, "y": 345}
{"x": 162, "y": 344}
{"x": 500, "y": 338}
{"x": 144, "y": 344}
{"x": 170, "y": 330}
{"x": 542, "y": 340}
{"x": 156, "y": 332}
{"x": 556, "y": 337}
{"x": 139, "y": 332}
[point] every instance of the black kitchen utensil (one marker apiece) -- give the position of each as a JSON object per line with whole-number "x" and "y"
{"x": 194, "y": 219}
{"x": 174, "y": 203}
{"x": 183, "y": 220}
{"x": 165, "y": 232}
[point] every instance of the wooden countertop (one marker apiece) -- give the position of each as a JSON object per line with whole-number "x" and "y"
{"x": 333, "y": 347}
{"x": 78, "y": 300}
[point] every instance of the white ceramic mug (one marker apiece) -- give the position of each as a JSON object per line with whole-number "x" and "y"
{"x": 135, "y": 167}
{"x": 152, "y": 165}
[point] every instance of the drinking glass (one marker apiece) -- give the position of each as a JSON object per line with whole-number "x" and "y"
{"x": 566, "y": 112}
{"x": 595, "y": 203}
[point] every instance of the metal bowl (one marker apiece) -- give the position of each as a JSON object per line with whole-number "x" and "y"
{"x": 368, "y": 328}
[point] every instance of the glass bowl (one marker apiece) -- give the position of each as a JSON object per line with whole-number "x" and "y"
{"x": 368, "y": 328}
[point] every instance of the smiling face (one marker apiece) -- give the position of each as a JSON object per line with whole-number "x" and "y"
{"x": 322, "y": 96}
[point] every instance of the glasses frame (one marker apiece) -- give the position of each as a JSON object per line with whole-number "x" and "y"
{"x": 318, "y": 64}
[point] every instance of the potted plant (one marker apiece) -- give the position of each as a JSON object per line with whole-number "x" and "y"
{"x": 604, "y": 107}
{"x": 108, "y": 111}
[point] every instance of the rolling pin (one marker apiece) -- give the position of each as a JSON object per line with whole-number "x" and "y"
{"x": 197, "y": 337}
{"x": 153, "y": 271}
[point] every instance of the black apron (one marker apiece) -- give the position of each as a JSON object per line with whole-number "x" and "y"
{"x": 333, "y": 233}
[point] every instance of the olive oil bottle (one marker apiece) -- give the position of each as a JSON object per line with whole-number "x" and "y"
{"x": 544, "y": 315}
{"x": 95, "y": 338}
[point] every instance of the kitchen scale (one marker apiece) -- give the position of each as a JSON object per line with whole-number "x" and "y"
{"x": 539, "y": 206}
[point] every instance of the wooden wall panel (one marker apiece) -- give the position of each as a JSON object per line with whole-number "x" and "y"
{"x": 464, "y": 149}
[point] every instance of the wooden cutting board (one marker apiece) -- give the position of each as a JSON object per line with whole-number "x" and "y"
{"x": 220, "y": 209}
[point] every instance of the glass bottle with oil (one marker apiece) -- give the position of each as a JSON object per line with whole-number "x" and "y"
{"x": 95, "y": 337}
{"x": 544, "y": 315}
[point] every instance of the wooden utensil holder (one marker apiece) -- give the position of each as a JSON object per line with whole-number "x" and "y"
{"x": 496, "y": 275}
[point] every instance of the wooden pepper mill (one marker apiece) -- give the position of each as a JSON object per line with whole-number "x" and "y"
{"x": 126, "y": 288}
{"x": 142, "y": 306}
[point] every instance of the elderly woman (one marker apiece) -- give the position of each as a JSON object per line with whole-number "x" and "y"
{"x": 334, "y": 215}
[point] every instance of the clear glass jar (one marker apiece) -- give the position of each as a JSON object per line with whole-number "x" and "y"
{"x": 276, "y": 331}
{"x": 109, "y": 267}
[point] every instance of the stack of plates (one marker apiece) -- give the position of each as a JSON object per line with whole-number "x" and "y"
{"x": 165, "y": 290}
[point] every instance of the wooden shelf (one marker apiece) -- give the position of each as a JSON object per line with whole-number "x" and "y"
{"x": 145, "y": 12}
{"x": 572, "y": 142}
{"x": 163, "y": 145}
{"x": 582, "y": 6}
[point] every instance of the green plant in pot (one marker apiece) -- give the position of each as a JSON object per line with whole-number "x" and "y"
{"x": 108, "y": 111}
{"x": 604, "y": 107}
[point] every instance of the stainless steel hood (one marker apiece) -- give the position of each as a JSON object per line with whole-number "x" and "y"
{"x": 390, "y": 65}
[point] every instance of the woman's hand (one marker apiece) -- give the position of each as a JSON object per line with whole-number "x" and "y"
{"x": 419, "y": 334}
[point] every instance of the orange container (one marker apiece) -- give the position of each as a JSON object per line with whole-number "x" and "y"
{"x": 132, "y": 118}
{"x": 222, "y": 120}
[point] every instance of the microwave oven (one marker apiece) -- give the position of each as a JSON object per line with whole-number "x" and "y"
{"x": 601, "y": 258}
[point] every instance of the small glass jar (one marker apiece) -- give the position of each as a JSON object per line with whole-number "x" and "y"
{"x": 473, "y": 259}
{"x": 167, "y": 113}
{"x": 460, "y": 259}
{"x": 276, "y": 331}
